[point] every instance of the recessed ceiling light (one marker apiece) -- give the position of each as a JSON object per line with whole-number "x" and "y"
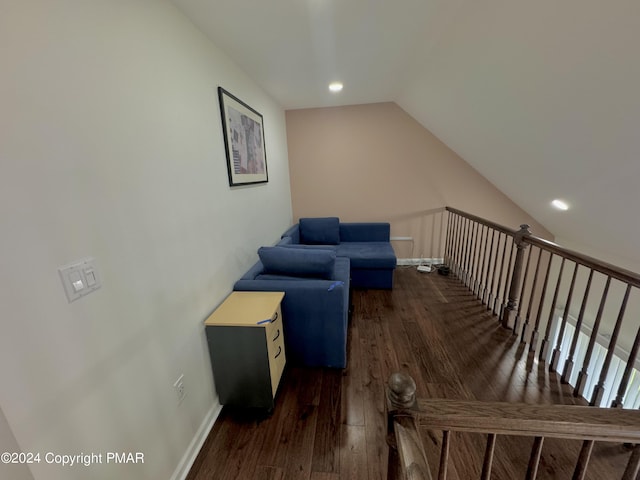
{"x": 560, "y": 205}
{"x": 335, "y": 87}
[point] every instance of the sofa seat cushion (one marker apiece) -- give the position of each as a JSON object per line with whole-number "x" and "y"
{"x": 295, "y": 262}
{"x": 371, "y": 255}
{"x": 320, "y": 231}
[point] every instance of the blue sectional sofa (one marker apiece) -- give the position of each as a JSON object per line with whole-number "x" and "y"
{"x": 315, "y": 263}
{"x": 366, "y": 244}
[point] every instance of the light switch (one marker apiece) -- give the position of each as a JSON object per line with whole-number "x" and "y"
{"x": 79, "y": 278}
{"x": 90, "y": 277}
{"x": 76, "y": 281}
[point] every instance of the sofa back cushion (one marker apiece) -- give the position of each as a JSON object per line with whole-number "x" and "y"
{"x": 320, "y": 231}
{"x": 298, "y": 262}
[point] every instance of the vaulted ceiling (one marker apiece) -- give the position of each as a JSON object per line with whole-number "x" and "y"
{"x": 542, "y": 98}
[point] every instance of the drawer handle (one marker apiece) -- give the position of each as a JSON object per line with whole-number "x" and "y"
{"x": 277, "y": 336}
{"x": 279, "y": 351}
{"x": 268, "y": 320}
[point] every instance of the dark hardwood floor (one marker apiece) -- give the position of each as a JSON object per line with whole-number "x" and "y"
{"x": 330, "y": 424}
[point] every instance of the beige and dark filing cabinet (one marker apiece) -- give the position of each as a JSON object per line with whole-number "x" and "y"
{"x": 246, "y": 345}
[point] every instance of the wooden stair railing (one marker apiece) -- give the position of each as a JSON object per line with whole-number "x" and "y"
{"x": 523, "y": 280}
{"x": 406, "y": 415}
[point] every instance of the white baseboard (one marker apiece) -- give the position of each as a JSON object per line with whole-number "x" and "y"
{"x": 419, "y": 261}
{"x": 199, "y": 438}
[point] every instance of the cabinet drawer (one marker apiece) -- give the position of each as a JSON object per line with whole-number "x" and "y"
{"x": 275, "y": 349}
{"x": 274, "y": 334}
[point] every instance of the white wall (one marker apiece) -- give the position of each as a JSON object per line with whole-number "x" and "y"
{"x": 8, "y": 444}
{"x": 111, "y": 147}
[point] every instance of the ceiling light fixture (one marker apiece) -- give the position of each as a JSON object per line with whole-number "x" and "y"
{"x": 560, "y": 205}
{"x": 335, "y": 87}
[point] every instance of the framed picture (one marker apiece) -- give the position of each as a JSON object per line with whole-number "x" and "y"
{"x": 243, "y": 141}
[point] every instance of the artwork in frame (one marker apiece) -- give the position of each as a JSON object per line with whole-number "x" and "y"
{"x": 243, "y": 141}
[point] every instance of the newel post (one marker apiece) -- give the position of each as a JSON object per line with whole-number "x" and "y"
{"x": 401, "y": 392}
{"x": 511, "y": 311}
{"x": 401, "y": 398}
{"x": 406, "y": 455}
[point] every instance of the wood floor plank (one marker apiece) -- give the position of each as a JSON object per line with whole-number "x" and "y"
{"x": 326, "y": 457}
{"x": 352, "y": 382}
{"x": 324, "y": 476}
{"x": 374, "y": 402}
{"x": 292, "y": 387}
{"x": 331, "y": 424}
{"x": 294, "y": 451}
{"x": 268, "y": 473}
{"x": 353, "y": 453}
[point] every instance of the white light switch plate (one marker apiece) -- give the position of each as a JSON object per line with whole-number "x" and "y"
{"x": 79, "y": 278}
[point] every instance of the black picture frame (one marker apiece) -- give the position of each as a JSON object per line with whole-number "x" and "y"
{"x": 244, "y": 143}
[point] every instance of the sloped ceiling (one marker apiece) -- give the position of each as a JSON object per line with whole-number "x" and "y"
{"x": 543, "y": 98}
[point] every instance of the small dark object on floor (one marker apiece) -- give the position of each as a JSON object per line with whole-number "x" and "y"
{"x": 443, "y": 270}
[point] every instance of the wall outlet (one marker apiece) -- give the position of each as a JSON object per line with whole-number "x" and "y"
{"x": 179, "y": 388}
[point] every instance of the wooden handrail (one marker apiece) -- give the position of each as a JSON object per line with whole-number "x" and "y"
{"x": 407, "y": 458}
{"x": 619, "y": 273}
{"x": 534, "y": 420}
{"x": 503, "y": 291}
{"x": 483, "y": 221}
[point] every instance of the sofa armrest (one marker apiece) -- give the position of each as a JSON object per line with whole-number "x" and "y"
{"x": 315, "y": 319}
{"x": 365, "y": 232}
{"x": 315, "y": 313}
{"x": 253, "y": 272}
{"x": 293, "y": 232}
